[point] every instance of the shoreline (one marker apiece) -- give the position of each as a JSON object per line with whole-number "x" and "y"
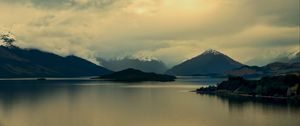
{"x": 254, "y": 97}
{"x": 284, "y": 87}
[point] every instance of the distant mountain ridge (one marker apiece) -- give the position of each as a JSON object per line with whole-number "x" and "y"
{"x": 209, "y": 62}
{"x": 272, "y": 69}
{"x": 152, "y": 65}
{"x": 17, "y": 62}
{"x": 285, "y": 57}
{"x": 295, "y": 58}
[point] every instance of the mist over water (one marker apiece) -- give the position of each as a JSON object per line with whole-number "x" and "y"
{"x": 99, "y": 103}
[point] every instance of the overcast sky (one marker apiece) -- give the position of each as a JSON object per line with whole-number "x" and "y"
{"x": 170, "y": 30}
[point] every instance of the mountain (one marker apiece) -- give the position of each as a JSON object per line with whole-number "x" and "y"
{"x": 17, "y": 62}
{"x": 288, "y": 58}
{"x": 285, "y": 57}
{"x": 272, "y": 69}
{"x": 152, "y": 65}
{"x": 277, "y": 68}
{"x": 295, "y": 58}
{"x": 247, "y": 71}
{"x": 209, "y": 62}
{"x": 133, "y": 75}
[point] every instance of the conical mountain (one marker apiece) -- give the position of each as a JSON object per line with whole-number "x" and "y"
{"x": 209, "y": 62}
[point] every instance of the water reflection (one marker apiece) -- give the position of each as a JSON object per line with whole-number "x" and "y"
{"x": 238, "y": 104}
{"x": 93, "y": 103}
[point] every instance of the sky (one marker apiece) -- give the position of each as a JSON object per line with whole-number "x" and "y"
{"x": 249, "y": 31}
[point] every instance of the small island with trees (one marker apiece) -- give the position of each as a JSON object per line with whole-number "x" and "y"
{"x": 133, "y": 75}
{"x": 275, "y": 87}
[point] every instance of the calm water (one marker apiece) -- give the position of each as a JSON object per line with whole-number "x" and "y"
{"x": 95, "y": 103}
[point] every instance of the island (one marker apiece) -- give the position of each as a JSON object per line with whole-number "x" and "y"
{"x": 274, "y": 87}
{"x": 133, "y": 75}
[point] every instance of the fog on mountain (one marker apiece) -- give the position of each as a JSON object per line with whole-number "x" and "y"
{"x": 152, "y": 65}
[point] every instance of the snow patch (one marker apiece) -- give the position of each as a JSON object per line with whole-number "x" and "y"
{"x": 212, "y": 51}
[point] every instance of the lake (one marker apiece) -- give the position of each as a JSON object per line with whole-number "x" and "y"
{"x": 82, "y": 102}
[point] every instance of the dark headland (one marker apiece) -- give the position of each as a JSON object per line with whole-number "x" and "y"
{"x": 133, "y": 75}
{"x": 276, "y": 87}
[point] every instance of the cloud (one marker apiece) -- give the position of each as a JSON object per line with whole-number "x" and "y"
{"x": 170, "y": 30}
{"x": 63, "y": 4}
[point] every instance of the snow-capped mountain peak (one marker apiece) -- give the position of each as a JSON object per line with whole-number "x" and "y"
{"x": 211, "y": 51}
